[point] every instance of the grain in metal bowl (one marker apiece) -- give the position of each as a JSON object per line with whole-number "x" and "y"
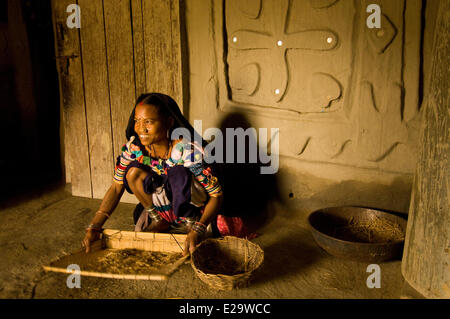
{"x": 358, "y": 233}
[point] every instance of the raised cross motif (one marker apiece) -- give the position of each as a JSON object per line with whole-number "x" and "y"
{"x": 278, "y": 41}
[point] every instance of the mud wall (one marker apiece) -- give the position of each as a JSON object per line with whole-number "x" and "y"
{"x": 346, "y": 98}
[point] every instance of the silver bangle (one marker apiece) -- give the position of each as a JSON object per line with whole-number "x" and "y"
{"x": 199, "y": 228}
{"x": 154, "y": 215}
{"x": 150, "y": 209}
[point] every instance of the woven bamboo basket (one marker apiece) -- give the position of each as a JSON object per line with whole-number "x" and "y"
{"x": 226, "y": 263}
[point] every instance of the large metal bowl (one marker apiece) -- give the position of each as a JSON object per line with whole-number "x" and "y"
{"x": 324, "y": 222}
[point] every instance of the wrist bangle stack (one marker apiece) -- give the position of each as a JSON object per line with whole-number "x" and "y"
{"x": 154, "y": 215}
{"x": 199, "y": 228}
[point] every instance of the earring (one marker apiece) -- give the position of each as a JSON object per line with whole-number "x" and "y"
{"x": 168, "y": 137}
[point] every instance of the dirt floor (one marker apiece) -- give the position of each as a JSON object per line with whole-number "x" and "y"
{"x": 36, "y": 229}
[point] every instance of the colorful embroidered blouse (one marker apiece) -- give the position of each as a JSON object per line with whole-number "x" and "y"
{"x": 190, "y": 155}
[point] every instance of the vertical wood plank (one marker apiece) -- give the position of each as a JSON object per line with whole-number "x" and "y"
{"x": 95, "y": 75}
{"x": 68, "y": 57}
{"x": 138, "y": 46}
{"x": 119, "y": 48}
{"x": 426, "y": 255}
{"x": 162, "y": 48}
{"x": 119, "y": 44}
{"x": 176, "y": 50}
{"x": 431, "y": 8}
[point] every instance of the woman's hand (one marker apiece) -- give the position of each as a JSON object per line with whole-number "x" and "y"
{"x": 130, "y": 152}
{"x": 158, "y": 227}
{"x": 190, "y": 243}
{"x": 91, "y": 236}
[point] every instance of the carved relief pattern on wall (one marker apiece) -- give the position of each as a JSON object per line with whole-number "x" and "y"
{"x": 382, "y": 128}
{"x": 273, "y": 50}
{"x": 318, "y": 58}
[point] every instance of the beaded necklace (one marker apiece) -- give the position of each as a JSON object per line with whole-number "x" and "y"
{"x": 157, "y": 163}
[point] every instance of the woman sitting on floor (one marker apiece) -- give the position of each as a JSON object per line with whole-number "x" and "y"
{"x": 175, "y": 188}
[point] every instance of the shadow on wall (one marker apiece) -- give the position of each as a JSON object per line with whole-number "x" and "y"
{"x": 247, "y": 192}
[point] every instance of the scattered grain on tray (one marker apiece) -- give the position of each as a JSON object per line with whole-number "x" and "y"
{"x": 132, "y": 261}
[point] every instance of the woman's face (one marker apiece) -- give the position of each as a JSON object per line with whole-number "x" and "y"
{"x": 149, "y": 126}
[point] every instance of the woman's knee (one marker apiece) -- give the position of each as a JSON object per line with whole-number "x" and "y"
{"x": 134, "y": 174}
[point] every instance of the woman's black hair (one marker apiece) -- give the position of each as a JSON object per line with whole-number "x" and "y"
{"x": 167, "y": 108}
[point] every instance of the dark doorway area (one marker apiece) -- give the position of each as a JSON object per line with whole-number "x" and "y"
{"x": 29, "y": 98}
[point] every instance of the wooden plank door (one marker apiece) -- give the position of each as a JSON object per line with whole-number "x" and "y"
{"x": 121, "y": 73}
{"x": 162, "y": 48}
{"x": 75, "y": 140}
{"x": 96, "y": 91}
{"x": 124, "y": 48}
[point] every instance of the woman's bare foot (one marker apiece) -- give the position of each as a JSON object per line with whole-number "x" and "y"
{"x": 158, "y": 227}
